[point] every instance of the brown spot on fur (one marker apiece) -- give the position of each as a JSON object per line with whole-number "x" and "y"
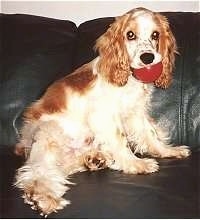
{"x": 89, "y": 140}
{"x": 19, "y": 149}
{"x": 81, "y": 79}
{"x": 55, "y": 98}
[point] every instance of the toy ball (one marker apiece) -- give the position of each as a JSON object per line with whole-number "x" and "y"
{"x": 148, "y": 74}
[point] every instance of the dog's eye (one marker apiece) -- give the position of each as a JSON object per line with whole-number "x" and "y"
{"x": 155, "y": 35}
{"x": 130, "y": 35}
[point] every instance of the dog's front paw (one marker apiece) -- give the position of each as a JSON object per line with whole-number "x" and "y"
{"x": 181, "y": 151}
{"x": 44, "y": 203}
{"x": 146, "y": 165}
{"x": 140, "y": 166}
{"x": 149, "y": 165}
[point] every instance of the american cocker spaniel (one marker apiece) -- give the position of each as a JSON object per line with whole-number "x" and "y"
{"x": 97, "y": 116}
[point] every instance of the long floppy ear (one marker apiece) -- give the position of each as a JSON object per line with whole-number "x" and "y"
{"x": 114, "y": 62}
{"x": 167, "y": 48}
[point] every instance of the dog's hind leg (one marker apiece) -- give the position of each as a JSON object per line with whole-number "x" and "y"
{"x": 43, "y": 178}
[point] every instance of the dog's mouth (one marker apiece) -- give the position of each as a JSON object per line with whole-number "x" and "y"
{"x": 149, "y": 73}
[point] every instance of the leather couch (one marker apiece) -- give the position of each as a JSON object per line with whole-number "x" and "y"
{"x": 35, "y": 51}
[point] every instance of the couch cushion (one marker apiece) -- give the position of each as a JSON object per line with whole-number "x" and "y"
{"x": 88, "y": 32}
{"x": 180, "y": 104}
{"x": 36, "y": 51}
{"x": 170, "y": 193}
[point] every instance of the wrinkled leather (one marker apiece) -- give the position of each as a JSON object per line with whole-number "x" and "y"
{"x": 173, "y": 192}
{"x": 37, "y": 51}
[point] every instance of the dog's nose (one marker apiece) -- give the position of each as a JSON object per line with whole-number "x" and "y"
{"x": 147, "y": 58}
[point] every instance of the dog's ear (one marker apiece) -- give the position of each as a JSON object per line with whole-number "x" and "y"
{"x": 167, "y": 48}
{"x": 114, "y": 62}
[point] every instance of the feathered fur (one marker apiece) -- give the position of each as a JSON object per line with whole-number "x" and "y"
{"x": 97, "y": 117}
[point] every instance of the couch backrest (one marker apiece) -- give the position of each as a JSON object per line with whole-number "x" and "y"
{"x": 37, "y": 50}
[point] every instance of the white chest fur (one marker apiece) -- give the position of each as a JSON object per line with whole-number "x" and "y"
{"x": 100, "y": 110}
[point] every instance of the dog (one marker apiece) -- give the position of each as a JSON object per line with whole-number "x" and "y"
{"x": 97, "y": 117}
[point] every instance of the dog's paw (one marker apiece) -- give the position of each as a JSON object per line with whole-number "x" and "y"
{"x": 149, "y": 166}
{"x": 181, "y": 151}
{"x": 96, "y": 160}
{"x": 141, "y": 166}
{"x": 44, "y": 203}
{"x": 41, "y": 196}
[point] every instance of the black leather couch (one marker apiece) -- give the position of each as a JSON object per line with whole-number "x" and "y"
{"x": 35, "y": 51}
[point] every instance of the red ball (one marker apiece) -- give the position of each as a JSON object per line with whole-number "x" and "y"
{"x": 148, "y": 74}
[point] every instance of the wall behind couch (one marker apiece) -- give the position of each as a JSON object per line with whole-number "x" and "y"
{"x": 82, "y": 10}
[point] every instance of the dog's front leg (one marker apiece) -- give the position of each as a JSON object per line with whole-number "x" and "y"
{"x": 157, "y": 142}
{"x": 113, "y": 140}
{"x": 149, "y": 138}
{"x": 125, "y": 160}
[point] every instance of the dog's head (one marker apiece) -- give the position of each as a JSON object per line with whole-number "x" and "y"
{"x": 140, "y": 38}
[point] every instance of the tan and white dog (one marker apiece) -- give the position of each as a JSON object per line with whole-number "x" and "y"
{"x": 97, "y": 116}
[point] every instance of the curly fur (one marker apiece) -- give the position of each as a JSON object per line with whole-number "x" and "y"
{"x": 97, "y": 117}
{"x": 114, "y": 62}
{"x": 168, "y": 48}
